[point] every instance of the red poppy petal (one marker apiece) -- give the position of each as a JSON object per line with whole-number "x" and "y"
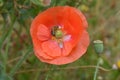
{"x": 71, "y": 30}
{"x": 51, "y": 48}
{"x": 43, "y": 33}
{"x": 49, "y": 17}
{"x": 81, "y": 48}
{"x": 66, "y": 49}
{"x": 39, "y": 52}
{"x": 74, "y": 23}
{"x": 76, "y": 53}
{"x": 83, "y": 19}
{"x": 76, "y": 18}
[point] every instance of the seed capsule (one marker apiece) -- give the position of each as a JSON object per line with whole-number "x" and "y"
{"x": 98, "y": 45}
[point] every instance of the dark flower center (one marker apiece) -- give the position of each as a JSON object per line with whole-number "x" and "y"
{"x": 57, "y": 32}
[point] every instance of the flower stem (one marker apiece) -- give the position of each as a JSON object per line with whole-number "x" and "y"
{"x": 97, "y": 67}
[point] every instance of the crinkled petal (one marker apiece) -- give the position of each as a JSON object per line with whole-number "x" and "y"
{"x": 43, "y": 33}
{"x": 83, "y": 19}
{"x": 51, "y": 48}
{"x": 66, "y": 49}
{"x": 75, "y": 54}
{"x": 40, "y": 53}
{"x": 71, "y": 30}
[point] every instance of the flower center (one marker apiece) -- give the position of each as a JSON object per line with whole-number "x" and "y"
{"x": 57, "y": 32}
{"x": 58, "y": 35}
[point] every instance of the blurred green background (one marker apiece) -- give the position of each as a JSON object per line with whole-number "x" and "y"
{"x": 17, "y": 61}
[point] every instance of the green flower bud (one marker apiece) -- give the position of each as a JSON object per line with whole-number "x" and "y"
{"x": 58, "y": 34}
{"x": 98, "y": 45}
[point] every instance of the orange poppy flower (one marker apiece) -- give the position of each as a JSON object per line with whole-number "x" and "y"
{"x": 59, "y": 35}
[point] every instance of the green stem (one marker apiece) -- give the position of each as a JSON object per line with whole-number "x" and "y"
{"x": 18, "y": 65}
{"x": 96, "y": 70}
{"x": 49, "y": 72}
{"x": 6, "y": 55}
{"x": 3, "y": 38}
{"x": 7, "y": 34}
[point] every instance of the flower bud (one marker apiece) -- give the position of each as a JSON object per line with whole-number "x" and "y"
{"x": 98, "y": 45}
{"x": 46, "y": 2}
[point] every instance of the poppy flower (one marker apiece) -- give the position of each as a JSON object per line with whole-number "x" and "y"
{"x": 59, "y": 35}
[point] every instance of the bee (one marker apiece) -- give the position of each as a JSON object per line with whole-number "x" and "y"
{"x": 54, "y": 29}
